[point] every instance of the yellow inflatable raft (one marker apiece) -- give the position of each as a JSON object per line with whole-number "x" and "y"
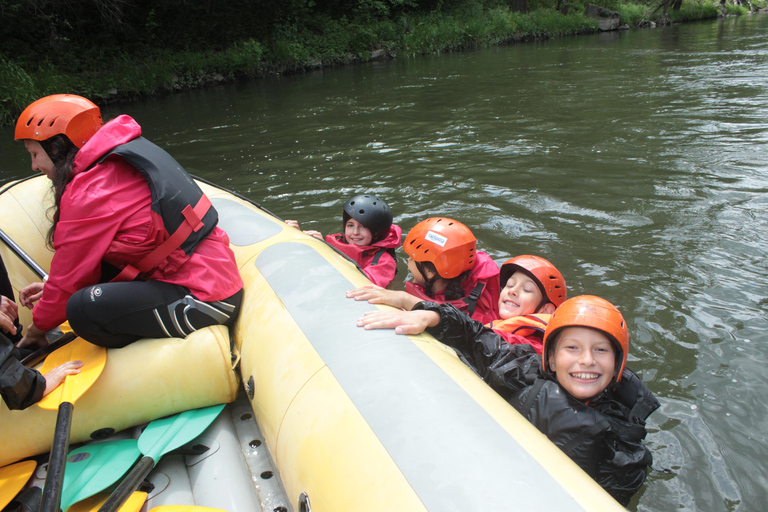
{"x": 354, "y": 420}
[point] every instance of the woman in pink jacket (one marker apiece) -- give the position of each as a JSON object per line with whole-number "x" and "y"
{"x": 137, "y": 250}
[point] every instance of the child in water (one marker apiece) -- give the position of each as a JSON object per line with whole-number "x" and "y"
{"x": 532, "y": 288}
{"x": 368, "y": 237}
{"x": 446, "y": 267}
{"x": 578, "y": 392}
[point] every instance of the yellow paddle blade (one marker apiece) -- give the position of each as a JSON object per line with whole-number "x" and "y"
{"x": 184, "y": 508}
{"x": 13, "y": 478}
{"x": 92, "y": 504}
{"x": 93, "y": 357}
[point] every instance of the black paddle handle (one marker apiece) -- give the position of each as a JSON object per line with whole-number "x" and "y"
{"x": 129, "y": 484}
{"x": 51, "y": 501}
{"x": 41, "y": 353}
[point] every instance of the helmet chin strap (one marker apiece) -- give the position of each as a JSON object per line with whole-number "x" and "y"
{"x": 427, "y": 281}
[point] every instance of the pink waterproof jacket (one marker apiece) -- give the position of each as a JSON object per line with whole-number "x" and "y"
{"x": 376, "y": 259}
{"x": 481, "y": 301}
{"x": 105, "y": 216}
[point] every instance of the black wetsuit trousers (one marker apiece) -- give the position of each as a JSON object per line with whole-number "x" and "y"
{"x": 114, "y": 315}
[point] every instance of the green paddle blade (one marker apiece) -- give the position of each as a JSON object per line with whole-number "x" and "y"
{"x": 162, "y": 436}
{"x": 13, "y": 478}
{"x": 94, "y": 467}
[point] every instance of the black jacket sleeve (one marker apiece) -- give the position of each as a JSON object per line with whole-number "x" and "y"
{"x": 20, "y": 386}
{"x": 506, "y": 368}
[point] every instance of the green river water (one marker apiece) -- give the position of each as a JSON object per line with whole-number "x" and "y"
{"x": 637, "y": 162}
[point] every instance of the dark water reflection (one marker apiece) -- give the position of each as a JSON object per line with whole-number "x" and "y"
{"x": 636, "y": 162}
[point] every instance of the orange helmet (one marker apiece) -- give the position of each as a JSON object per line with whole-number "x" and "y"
{"x": 448, "y": 244}
{"x": 593, "y": 312}
{"x": 550, "y": 280}
{"x": 67, "y": 114}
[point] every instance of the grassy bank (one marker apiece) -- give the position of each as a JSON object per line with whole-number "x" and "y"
{"x": 292, "y": 47}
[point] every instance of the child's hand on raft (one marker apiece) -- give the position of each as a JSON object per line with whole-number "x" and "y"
{"x": 55, "y": 377}
{"x": 378, "y": 295}
{"x": 293, "y": 223}
{"x": 31, "y": 294}
{"x": 403, "y": 322}
{"x": 314, "y": 233}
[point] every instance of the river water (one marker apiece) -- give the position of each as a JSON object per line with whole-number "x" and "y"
{"x": 637, "y": 162}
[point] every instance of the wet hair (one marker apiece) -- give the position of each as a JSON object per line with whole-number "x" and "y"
{"x": 62, "y": 153}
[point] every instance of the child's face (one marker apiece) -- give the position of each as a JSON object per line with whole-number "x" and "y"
{"x": 584, "y": 361}
{"x": 520, "y": 296}
{"x": 414, "y": 270}
{"x": 356, "y": 233}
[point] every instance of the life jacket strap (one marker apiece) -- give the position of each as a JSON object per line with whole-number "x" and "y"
{"x": 193, "y": 217}
{"x": 472, "y": 298}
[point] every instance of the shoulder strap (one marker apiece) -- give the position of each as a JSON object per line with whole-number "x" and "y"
{"x": 533, "y": 392}
{"x": 471, "y": 299}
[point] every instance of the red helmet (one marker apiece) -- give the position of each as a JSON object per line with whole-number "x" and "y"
{"x": 550, "y": 280}
{"x": 67, "y": 114}
{"x": 593, "y": 312}
{"x": 448, "y": 244}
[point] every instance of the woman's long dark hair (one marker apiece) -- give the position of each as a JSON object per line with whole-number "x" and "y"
{"x": 62, "y": 153}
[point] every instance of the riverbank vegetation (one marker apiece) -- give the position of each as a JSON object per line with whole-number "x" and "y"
{"x": 116, "y": 49}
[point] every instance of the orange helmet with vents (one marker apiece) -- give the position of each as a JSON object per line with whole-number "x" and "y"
{"x": 593, "y": 312}
{"x": 448, "y": 244}
{"x": 74, "y": 116}
{"x": 551, "y": 282}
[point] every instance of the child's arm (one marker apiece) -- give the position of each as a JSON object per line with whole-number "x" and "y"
{"x": 378, "y": 295}
{"x": 55, "y": 377}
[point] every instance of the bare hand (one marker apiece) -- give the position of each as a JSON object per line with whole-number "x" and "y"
{"x": 293, "y": 223}
{"x": 314, "y": 233}
{"x": 403, "y": 322}
{"x": 56, "y": 376}
{"x": 9, "y": 311}
{"x": 378, "y": 295}
{"x": 33, "y": 339}
{"x": 31, "y": 294}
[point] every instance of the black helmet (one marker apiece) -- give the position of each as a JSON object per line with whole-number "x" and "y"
{"x": 371, "y": 212}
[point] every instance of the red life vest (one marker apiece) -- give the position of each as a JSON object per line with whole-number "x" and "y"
{"x": 481, "y": 288}
{"x": 177, "y": 203}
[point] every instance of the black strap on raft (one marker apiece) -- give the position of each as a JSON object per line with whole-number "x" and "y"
{"x": 186, "y": 212}
{"x": 471, "y": 299}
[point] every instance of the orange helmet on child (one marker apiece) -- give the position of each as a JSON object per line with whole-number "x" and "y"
{"x": 551, "y": 282}
{"x": 448, "y": 244}
{"x": 67, "y": 114}
{"x": 593, "y": 312}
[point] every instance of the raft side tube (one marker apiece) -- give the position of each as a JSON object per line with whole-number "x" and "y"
{"x": 146, "y": 380}
{"x": 372, "y": 399}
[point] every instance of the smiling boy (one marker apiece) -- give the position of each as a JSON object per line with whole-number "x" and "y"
{"x": 579, "y": 392}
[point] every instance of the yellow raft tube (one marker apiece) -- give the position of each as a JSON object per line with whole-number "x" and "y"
{"x": 354, "y": 420}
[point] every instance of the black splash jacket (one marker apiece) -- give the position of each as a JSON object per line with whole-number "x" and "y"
{"x": 20, "y": 386}
{"x": 603, "y": 438}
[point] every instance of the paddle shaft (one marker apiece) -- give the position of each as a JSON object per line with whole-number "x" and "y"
{"x": 128, "y": 485}
{"x": 51, "y": 501}
{"x": 40, "y": 354}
